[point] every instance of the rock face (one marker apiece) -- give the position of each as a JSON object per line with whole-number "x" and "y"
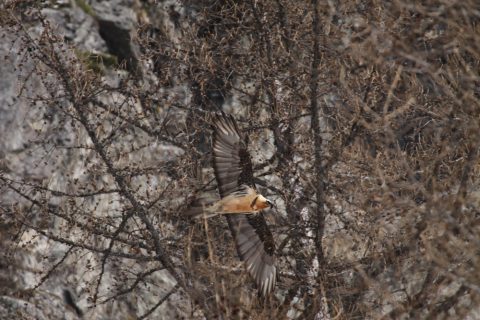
{"x": 36, "y": 145}
{"x": 363, "y": 128}
{"x": 117, "y": 25}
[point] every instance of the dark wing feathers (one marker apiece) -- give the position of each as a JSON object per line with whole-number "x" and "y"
{"x": 233, "y": 168}
{"x": 251, "y": 249}
{"x": 258, "y": 222}
{"x": 231, "y": 160}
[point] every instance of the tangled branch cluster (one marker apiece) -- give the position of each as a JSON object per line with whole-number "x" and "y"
{"x": 363, "y": 119}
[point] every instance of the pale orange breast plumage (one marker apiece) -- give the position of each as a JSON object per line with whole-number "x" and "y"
{"x": 235, "y": 204}
{"x": 250, "y": 202}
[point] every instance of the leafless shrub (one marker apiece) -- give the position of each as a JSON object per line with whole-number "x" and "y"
{"x": 363, "y": 120}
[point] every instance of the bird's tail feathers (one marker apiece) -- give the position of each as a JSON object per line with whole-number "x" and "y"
{"x": 204, "y": 206}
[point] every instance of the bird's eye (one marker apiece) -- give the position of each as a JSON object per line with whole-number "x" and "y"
{"x": 252, "y": 205}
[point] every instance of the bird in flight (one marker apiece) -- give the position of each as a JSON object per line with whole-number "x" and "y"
{"x": 241, "y": 203}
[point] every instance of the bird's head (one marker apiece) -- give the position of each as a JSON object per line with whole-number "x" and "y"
{"x": 260, "y": 203}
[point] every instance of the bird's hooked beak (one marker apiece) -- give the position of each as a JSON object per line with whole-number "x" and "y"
{"x": 270, "y": 203}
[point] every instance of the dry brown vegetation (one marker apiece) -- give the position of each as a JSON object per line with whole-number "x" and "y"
{"x": 364, "y": 125}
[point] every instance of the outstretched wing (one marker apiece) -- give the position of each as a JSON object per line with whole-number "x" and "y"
{"x": 256, "y": 248}
{"x": 233, "y": 169}
{"x": 231, "y": 160}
